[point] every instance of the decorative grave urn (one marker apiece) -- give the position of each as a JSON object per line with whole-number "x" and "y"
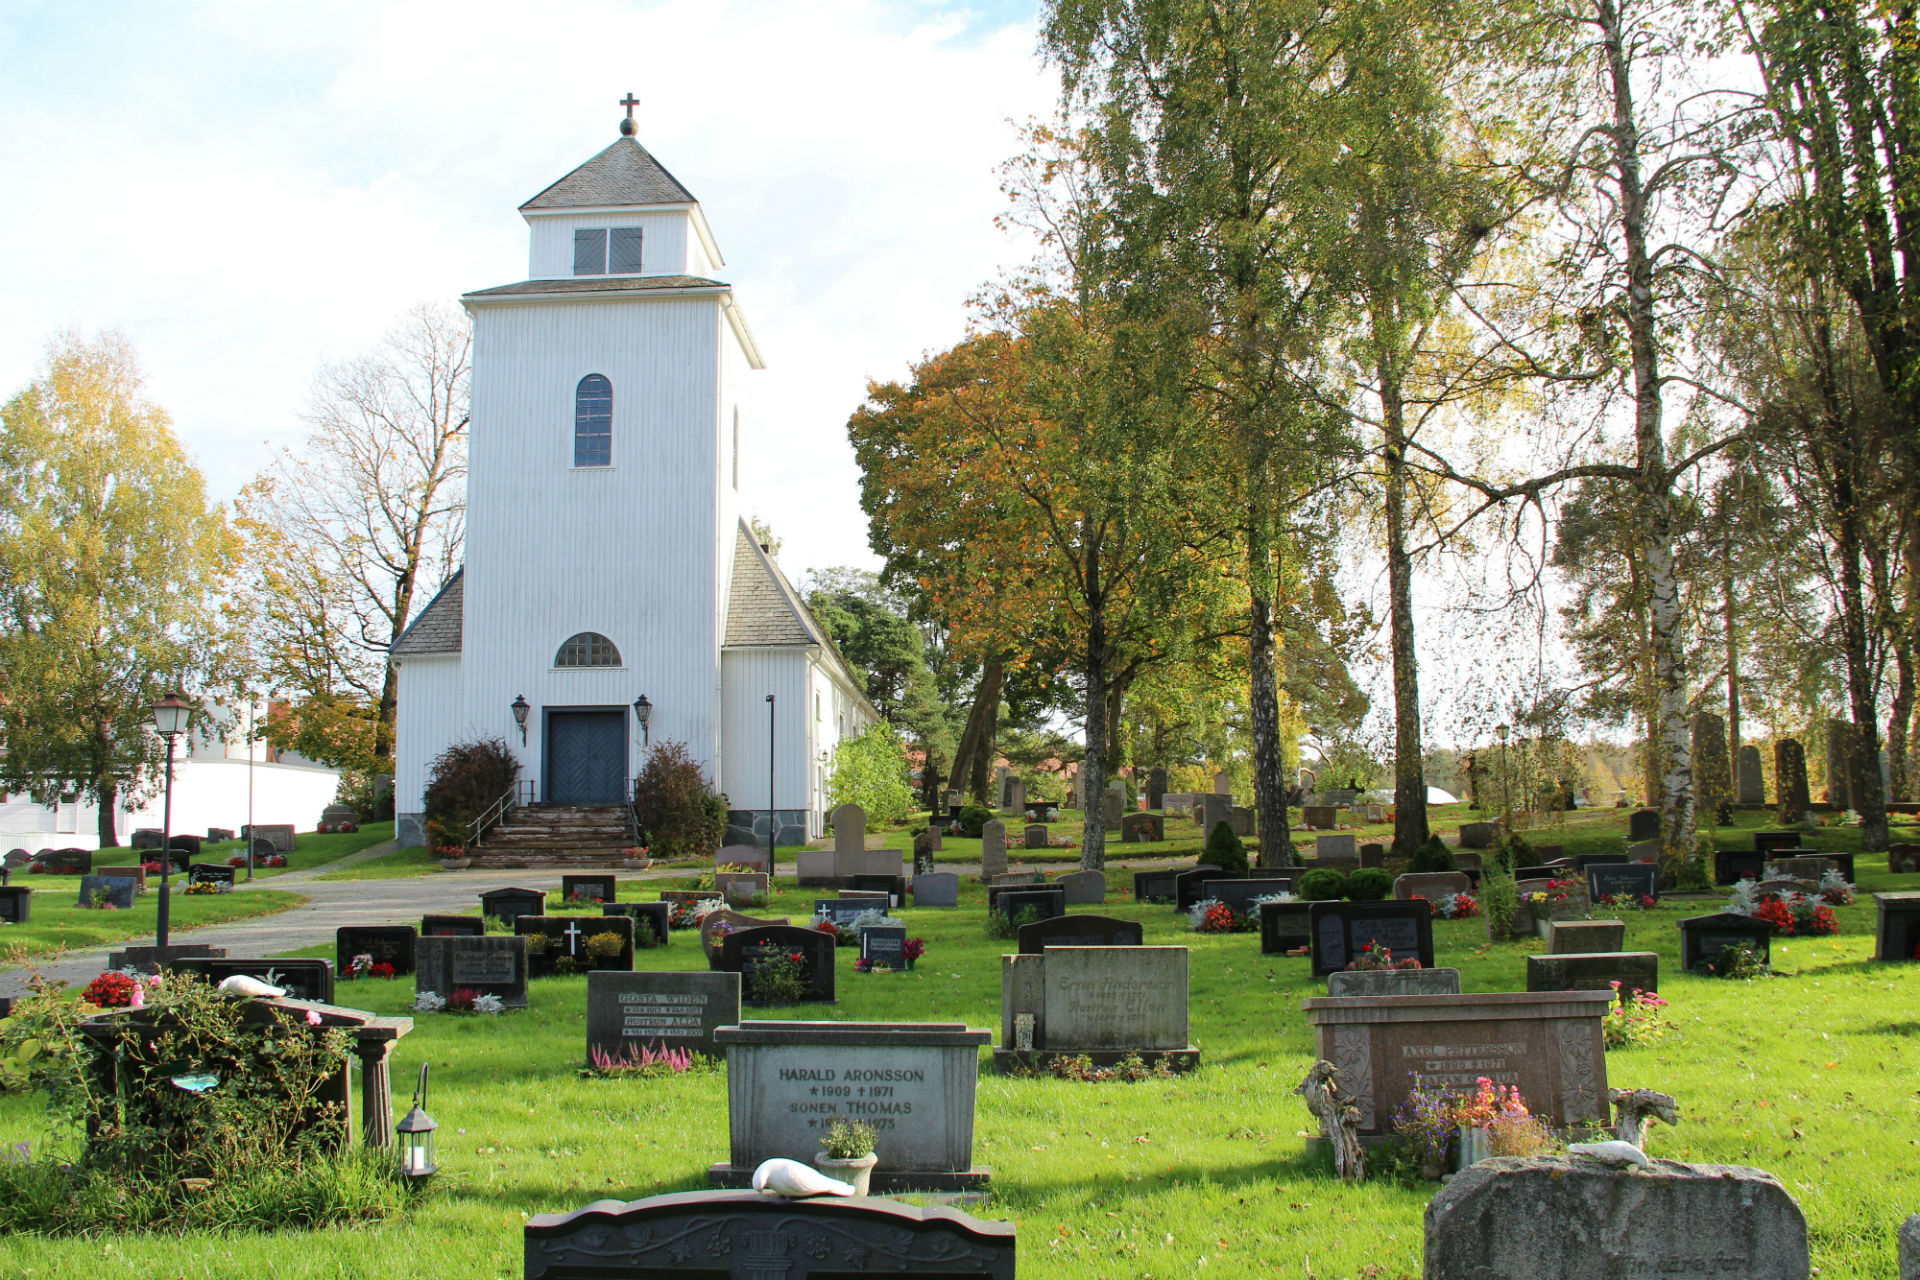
{"x": 858, "y": 1170}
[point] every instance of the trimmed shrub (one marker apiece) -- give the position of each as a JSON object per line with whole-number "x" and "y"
{"x": 973, "y": 818}
{"x": 463, "y": 783}
{"x": 1323, "y": 884}
{"x": 1370, "y": 884}
{"x": 1434, "y": 855}
{"x": 1224, "y": 849}
{"x": 678, "y": 810}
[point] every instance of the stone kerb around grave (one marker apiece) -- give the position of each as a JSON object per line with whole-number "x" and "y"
{"x": 913, "y": 1082}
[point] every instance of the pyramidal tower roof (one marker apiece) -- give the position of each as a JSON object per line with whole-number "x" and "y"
{"x": 623, "y": 175}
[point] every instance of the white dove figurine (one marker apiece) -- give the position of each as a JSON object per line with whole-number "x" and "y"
{"x": 241, "y": 985}
{"x": 1613, "y": 1152}
{"x": 792, "y": 1179}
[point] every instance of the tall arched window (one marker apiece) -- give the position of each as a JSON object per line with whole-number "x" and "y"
{"x": 588, "y": 649}
{"x": 593, "y": 422}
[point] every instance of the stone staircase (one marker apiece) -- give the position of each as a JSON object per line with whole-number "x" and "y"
{"x": 556, "y": 836}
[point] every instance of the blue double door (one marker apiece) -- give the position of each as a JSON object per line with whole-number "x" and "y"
{"x": 586, "y": 757}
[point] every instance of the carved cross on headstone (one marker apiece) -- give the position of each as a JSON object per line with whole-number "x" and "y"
{"x": 573, "y": 937}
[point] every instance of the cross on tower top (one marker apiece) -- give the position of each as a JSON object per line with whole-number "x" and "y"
{"x": 627, "y": 126}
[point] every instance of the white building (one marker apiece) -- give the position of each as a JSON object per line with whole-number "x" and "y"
{"x": 219, "y": 777}
{"x": 607, "y": 556}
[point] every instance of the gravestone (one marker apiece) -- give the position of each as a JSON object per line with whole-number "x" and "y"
{"x": 1035, "y": 837}
{"x": 490, "y": 966}
{"x": 849, "y": 840}
{"x": 1156, "y": 788}
{"x": 1190, "y": 886}
{"x": 750, "y": 857}
{"x": 1001, "y": 775}
{"x": 1046, "y": 902}
{"x": 114, "y": 891}
{"x": 1376, "y": 814}
{"x": 67, "y": 861}
{"x": 1585, "y": 937}
{"x": 1214, "y": 810}
{"x": 1080, "y": 931}
{"x": 146, "y": 838}
{"x": 688, "y": 897}
{"x": 1712, "y": 773}
{"x": 1897, "y": 932}
{"x": 1903, "y": 858}
{"x": 884, "y": 944}
{"x": 1633, "y": 879}
{"x": 568, "y": 936}
{"x": 452, "y": 927}
{"x": 650, "y": 920}
{"x": 1749, "y": 785}
{"x": 1581, "y": 861}
{"x": 993, "y": 849}
{"x": 1104, "y": 1003}
{"x": 1643, "y": 824}
{"x": 1394, "y": 982}
{"x": 137, "y": 876}
{"x": 1222, "y": 784}
{"x": 1158, "y": 886}
{"x": 1790, "y": 779}
{"x": 1571, "y": 1218}
{"x": 1550, "y": 1045}
{"x": 841, "y": 912}
{"x": 719, "y": 924}
{"x": 392, "y": 944}
{"x": 16, "y": 904}
{"x": 338, "y": 817}
{"x": 300, "y": 979}
{"x": 1341, "y": 930}
{"x": 1016, "y": 795}
{"x": 149, "y": 959}
{"x": 1284, "y": 927}
{"x": 1476, "y": 835}
{"x": 892, "y": 886}
{"x": 923, "y": 853}
{"x": 188, "y": 844}
{"x": 1594, "y": 971}
{"x": 1140, "y": 828}
{"x": 1703, "y": 938}
{"x": 1373, "y": 855}
{"x": 740, "y": 888}
{"x": 1112, "y": 802}
{"x": 1840, "y": 764}
{"x": 1242, "y": 895}
{"x": 1083, "y": 888}
{"x": 1319, "y": 817}
{"x": 742, "y": 951}
{"x": 937, "y": 837}
{"x": 781, "y": 1239}
{"x": 913, "y": 1082}
{"x": 506, "y": 905}
{"x": 1341, "y": 797}
{"x": 1018, "y": 877}
{"x": 1731, "y": 866}
{"x": 217, "y": 835}
{"x": 1800, "y": 868}
{"x": 280, "y": 835}
{"x": 936, "y": 889}
{"x": 627, "y": 1012}
{"x": 210, "y": 873}
{"x": 1240, "y": 818}
{"x": 593, "y": 889}
{"x": 1431, "y": 885}
{"x": 1336, "y": 851}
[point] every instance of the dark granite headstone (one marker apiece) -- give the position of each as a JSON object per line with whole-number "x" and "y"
{"x": 1240, "y": 894}
{"x": 599, "y": 887}
{"x": 936, "y": 889}
{"x": 188, "y": 844}
{"x": 1769, "y": 841}
{"x": 117, "y": 891}
{"x": 66, "y": 861}
{"x": 149, "y": 959}
{"x": 210, "y": 873}
{"x": 1637, "y": 879}
{"x": 218, "y": 835}
{"x": 884, "y": 944}
{"x": 743, "y": 1235}
{"x": 1158, "y": 886}
{"x": 740, "y": 952}
{"x": 145, "y": 838}
{"x": 1703, "y": 938}
{"x": 16, "y": 904}
{"x": 658, "y": 1010}
{"x": 648, "y": 917}
{"x": 300, "y": 979}
{"x": 1045, "y": 903}
{"x": 1341, "y": 930}
{"x": 1643, "y": 824}
{"x": 452, "y": 927}
{"x": 1731, "y": 866}
{"x": 387, "y": 943}
{"x": 280, "y": 834}
{"x": 568, "y": 936}
{"x": 1080, "y": 931}
{"x": 1897, "y": 937}
{"x": 843, "y": 911}
{"x": 1284, "y": 927}
{"x": 508, "y": 904}
{"x": 895, "y": 887}
{"x": 1190, "y": 886}
{"x": 1594, "y": 971}
{"x": 1790, "y": 779}
{"x": 492, "y": 966}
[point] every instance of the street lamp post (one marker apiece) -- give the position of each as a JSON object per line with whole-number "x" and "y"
{"x": 773, "y": 817}
{"x": 171, "y": 716}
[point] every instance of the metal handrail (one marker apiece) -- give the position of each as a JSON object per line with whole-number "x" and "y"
{"x": 633, "y": 816}
{"x": 495, "y": 812}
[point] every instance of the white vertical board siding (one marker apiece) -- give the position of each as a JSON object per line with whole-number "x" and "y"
{"x": 663, "y": 243}
{"x": 428, "y": 716}
{"x": 748, "y": 676}
{"x": 626, "y": 550}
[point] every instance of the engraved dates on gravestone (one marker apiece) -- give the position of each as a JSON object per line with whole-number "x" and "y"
{"x": 494, "y": 965}
{"x": 391, "y": 944}
{"x": 1080, "y": 931}
{"x": 1571, "y": 1218}
{"x": 1341, "y": 930}
{"x": 627, "y": 1012}
{"x": 1629, "y": 879}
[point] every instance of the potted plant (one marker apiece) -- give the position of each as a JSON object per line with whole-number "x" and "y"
{"x": 635, "y": 857}
{"x": 453, "y": 857}
{"x": 848, "y": 1153}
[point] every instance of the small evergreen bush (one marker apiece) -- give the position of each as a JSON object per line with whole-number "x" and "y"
{"x": 1434, "y": 855}
{"x": 676, "y": 806}
{"x": 1370, "y": 884}
{"x": 1323, "y": 884}
{"x": 463, "y": 782}
{"x": 1224, "y": 849}
{"x": 973, "y": 819}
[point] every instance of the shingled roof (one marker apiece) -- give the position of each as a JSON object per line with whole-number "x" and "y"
{"x": 436, "y": 629}
{"x": 597, "y": 284}
{"x": 764, "y": 609}
{"x": 622, "y": 175}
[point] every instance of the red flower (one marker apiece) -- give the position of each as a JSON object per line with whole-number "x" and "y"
{"x": 113, "y": 990}
{"x": 1775, "y": 913}
{"x": 383, "y": 970}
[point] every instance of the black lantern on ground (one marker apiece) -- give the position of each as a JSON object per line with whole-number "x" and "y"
{"x": 520, "y": 708}
{"x": 416, "y": 1135}
{"x": 643, "y": 712}
{"x": 171, "y": 716}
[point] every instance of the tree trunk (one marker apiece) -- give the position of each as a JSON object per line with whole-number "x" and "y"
{"x": 1269, "y": 782}
{"x": 1409, "y": 769}
{"x": 1900, "y": 782}
{"x": 109, "y": 796}
{"x": 1867, "y": 794}
{"x": 1093, "y": 770}
{"x": 986, "y": 709}
{"x": 1733, "y": 660}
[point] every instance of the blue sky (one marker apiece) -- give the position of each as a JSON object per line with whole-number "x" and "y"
{"x": 252, "y": 190}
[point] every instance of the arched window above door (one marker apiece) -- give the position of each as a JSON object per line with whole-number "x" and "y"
{"x": 587, "y": 649}
{"x": 593, "y": 422}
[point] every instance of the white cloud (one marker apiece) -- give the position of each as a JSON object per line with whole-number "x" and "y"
{"x": 250, "y": 191}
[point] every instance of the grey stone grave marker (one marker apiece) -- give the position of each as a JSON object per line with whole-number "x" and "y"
{"x": 494, "y": 966}
{"x": 1106, "y": 1003}
{"x": 993, "y": 849}
{"x": 1083, "y": 888}
{"x": 1750, "y": 787}
{"x": 658, "y": 1010}
{"x": 117, "y": 891}
{"x": 884, "y": 944}
{"x": 936, "y": 889}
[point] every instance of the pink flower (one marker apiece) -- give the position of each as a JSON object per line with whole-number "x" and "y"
{"x": 139, "y": 998}
{"x": 313, "y": 1018}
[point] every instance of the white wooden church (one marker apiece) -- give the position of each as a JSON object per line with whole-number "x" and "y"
{"x": 613, "y": 594}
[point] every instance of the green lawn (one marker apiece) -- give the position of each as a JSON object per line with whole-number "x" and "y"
{"x": 310, "y": 849}
{"x": 1811, "y": 1075}
{"x": 58, "y": 923}
{"x": 398, "y": 864}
